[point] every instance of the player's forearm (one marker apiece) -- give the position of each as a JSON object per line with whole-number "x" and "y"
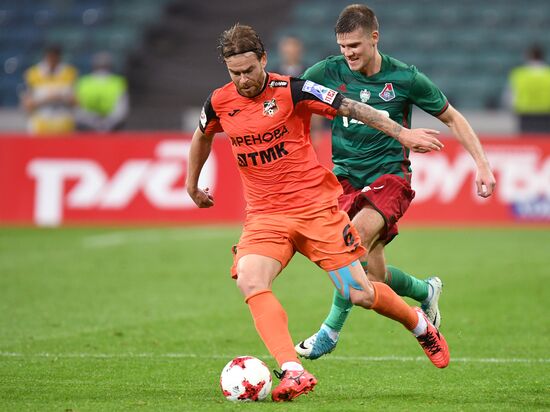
{"x": 201, "y": 145}
{"x": 464, "y": 133}
{"x": 370, "y": 116}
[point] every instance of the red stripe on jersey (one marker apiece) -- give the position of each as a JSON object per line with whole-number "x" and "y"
{"x": 442, "y": 110}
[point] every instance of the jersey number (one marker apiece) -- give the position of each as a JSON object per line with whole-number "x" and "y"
{"x": 350, "y": 120}
{"x": 348, "y": 236}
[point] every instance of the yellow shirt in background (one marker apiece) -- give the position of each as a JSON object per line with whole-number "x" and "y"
{"x": 54, "y": 117}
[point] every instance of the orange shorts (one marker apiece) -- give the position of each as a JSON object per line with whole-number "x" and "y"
{"x": 324, "y": 236}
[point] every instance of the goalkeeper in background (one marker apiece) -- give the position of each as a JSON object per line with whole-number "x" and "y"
{"x": 374, "y": 169}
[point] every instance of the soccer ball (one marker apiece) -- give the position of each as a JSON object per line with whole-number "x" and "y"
{"x": 245, "y": 378}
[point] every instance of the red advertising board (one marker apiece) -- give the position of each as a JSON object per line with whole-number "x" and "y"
{"x": 134, "y": 178}
{"x": 445, "y": 184}
{"x": 137, "y": 178}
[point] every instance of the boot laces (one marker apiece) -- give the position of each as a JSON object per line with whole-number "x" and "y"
{"x": 281, "y": 375}
{"x": 429, "y": 342}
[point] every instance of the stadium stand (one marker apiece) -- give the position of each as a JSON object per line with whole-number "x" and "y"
{"x": 466, "y": 47}
{"x": 178, "y": 65}
{"x": 166, "y": 48}
{"x": 82, "y": 27}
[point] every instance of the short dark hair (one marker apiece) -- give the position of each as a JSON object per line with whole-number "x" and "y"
{"x": 356, "y": 16}
{"x": 53, "y": 49}
{"x": 240, "y": 39}
{"x": 535, "y": 52}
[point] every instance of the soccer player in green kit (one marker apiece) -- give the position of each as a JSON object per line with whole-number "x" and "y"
{"x": 373, "y": 169}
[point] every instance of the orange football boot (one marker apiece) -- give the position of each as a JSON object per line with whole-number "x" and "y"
{"x": 293, "y": 384}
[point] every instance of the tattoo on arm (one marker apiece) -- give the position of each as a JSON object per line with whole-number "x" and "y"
{"x": 369, "y": 116}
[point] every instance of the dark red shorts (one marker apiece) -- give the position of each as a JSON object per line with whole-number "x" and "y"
{"x": 390, "y": 195}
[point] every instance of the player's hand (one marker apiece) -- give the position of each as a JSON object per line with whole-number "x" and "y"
{"x": 485, "y": 181}
{"x": 202, "y": 198}
{"x": 420, "y": 140}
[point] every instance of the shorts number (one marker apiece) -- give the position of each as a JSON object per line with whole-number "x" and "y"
{"x": 349, "y": 239}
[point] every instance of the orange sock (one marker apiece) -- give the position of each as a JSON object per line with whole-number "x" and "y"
{"x": 272, "y": 325}
{"x": 389, "y": 304}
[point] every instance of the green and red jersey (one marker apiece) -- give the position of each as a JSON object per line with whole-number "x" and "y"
{"x": 361, "y": 153}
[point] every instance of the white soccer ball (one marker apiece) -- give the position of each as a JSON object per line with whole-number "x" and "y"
{"x": 245, "y": 379}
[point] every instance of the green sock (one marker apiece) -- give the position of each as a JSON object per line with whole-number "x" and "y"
{"x": 406, "y": 285}
{"x": 338, "y": 312}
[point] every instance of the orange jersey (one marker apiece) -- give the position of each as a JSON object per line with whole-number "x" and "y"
{"x": 271, "y": 141}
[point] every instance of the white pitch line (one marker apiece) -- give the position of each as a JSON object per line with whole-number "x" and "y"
{"x": 198, "y": 356}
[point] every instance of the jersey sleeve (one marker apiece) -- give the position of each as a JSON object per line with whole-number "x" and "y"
{"x": 426, "y": 95}
{"x": 209, "y": 122}
{"x": 318, "y": 99}
{"x": 315, "y": 73}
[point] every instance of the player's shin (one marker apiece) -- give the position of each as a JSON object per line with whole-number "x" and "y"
{"x": 324, "y": 341}
{"x": 339, "y": 312}
{"x": 406, "y": 285}
{"x": 271, "y": 323}
{"x": 340, "y": 309}
{"x": 387, "y": 303}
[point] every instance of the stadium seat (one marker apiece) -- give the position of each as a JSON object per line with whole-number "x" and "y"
{"x": 82, "y": 27}
{"x": 70, "y": 37}
{"x": 468, "y": 46}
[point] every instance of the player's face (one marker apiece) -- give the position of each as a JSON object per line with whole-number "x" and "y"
{"x": 52, "y": 60}
{"x": 359, "y": 48}
{"x": 247, "y": 73}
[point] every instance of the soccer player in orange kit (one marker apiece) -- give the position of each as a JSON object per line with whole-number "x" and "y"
{"x": 292, "y": 199}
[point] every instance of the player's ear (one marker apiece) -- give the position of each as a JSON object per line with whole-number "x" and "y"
{"x": 375, "y": 36}
{"x": 263, "y": 60}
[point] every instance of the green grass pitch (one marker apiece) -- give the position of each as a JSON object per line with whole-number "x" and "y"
{"x": 144, "y": 319}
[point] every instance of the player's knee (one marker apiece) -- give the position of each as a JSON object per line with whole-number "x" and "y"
{"x": 247, "y": 284}
{"x": 363, "y": 298}
{"x": 250, "y": 281}
{"x": 349, "y": 287}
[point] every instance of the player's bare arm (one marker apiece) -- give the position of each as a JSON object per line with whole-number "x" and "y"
{"x": 418, "y": 140}
{"x": 461, "y": 129}
{"x": 201, "y": 145}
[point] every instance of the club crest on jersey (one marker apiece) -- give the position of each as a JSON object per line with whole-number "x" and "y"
{"x": 364, "y": 95}
{"x": 387, "y": 93}
{"x": 323, "y": 93}
{"x": 270, "y": 107}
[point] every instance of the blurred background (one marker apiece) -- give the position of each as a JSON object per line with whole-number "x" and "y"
{"x": 166, "y": 49}
{"x": 131, "y": 77}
